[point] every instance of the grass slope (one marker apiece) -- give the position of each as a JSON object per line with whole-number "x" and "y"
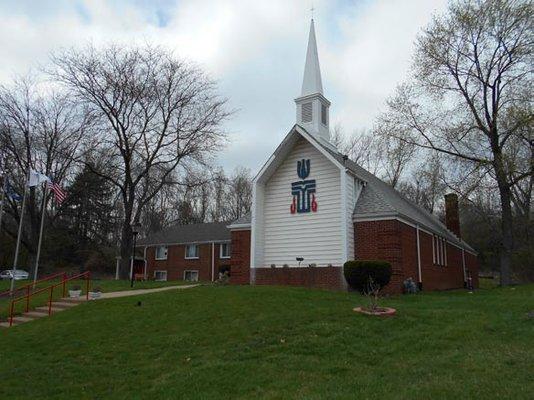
{"x": 276, "y": 343}
{"x": 41, "y": 299}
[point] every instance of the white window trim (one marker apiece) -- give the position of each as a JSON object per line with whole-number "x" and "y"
{"x": 434, "y": 249}
{"x": 198, "y": 252}
{"x": 191, "y": 270}
{"x": 160, "y": 270}
{"x": 221, "y": 251}
{"x": 156, "y": 253}
{"x": 445, "y": 253}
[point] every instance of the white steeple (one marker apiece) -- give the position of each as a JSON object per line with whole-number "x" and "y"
{"x": 311, "y": 83}
{"x": 312, "y": 106}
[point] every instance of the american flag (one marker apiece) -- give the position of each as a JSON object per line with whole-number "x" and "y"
{"x": 59, "y": 194}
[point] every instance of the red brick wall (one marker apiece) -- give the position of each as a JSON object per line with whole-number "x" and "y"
{"x": 176, "y": 264}
{"x": 240, "y": 273}
{"x": 318, "y": 277}
{"x": 396, "y": 242}
{"x": 437, "y": 277}
{"x": 382, "y": 240}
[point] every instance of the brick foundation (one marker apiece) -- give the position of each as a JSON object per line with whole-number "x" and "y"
{"x": 316, "y": 277}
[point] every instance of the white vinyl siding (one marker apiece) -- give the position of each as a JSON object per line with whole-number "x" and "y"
{"x": 316, "y": 236}
{"x": 354, "y": 188}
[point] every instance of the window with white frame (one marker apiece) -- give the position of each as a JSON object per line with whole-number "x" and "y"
{"x": 161, "y": 252}
{"x": 439, "y": 250}
{"x": 191, "y": 251}
{"x": 160, "y": 275}
{"x": 191, "y": 275}
{"x": 224, "y": 250}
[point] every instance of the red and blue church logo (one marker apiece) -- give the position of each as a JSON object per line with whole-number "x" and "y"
{"x": 303, "y": 191}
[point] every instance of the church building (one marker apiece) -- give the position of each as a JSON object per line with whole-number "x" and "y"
{"x": 313, "y": 209}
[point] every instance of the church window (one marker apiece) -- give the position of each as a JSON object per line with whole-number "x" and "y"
{"x": 307, "y": 112}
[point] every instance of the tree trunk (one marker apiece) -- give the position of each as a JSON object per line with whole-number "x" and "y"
{"x": 506, "y": 227}
{"x": 126, "y": 250}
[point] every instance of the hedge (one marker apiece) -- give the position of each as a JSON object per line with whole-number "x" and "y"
{"x": 358, "y": 272}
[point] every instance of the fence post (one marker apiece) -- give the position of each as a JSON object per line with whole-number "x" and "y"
{"x": 64, "y": 284}
{"x": 11, "y": 313}
{"x": 50, "y": 301}
{"x": 87, "y": 285}
{"x": 27, "y": 298}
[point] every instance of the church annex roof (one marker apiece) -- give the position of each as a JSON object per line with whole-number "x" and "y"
{"x": 192, "y": 233}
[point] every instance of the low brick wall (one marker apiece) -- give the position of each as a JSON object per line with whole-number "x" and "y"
{"x": 317, "y": 277}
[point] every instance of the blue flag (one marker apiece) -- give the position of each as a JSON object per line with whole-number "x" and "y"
{"x": 10, "y": 192}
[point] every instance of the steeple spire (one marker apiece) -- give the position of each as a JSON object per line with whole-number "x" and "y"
{"x": 312, "y": 83}
{"x": 312, "y": 106}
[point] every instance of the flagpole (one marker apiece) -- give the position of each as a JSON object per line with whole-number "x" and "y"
{"x": 4, "y": 187}
{"x": 3, "y": 200}
{"x": 40, "y": 234}
{"x": 21, "y": 222}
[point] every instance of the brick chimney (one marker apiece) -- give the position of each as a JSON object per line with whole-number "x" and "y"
{"x": 452, "y": 216}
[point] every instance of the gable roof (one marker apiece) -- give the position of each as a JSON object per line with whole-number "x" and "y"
{"x": 193, "y": 233}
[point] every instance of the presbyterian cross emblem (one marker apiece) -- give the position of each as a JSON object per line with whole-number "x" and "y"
{"x": 303, "y": 191}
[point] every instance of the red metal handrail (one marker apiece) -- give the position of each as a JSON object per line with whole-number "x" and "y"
{"x": 29, "y": 285}
{"x": 86, "y": 275}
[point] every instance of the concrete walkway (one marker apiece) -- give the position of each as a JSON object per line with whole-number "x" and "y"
{"x": 135, "y": 292}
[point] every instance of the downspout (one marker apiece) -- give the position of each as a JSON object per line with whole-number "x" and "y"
{"x": 212, "y": 261}
{"x": 463, "y": 266}
{"x": 420, "y": 283}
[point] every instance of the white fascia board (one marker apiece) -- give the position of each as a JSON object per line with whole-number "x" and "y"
{"x": 184, "y": 243}
{"x": 239, "y": 227}
{"x": 325, "y": 153}
{"x": 344, "y": 215}
{"x": 297, "y": 129}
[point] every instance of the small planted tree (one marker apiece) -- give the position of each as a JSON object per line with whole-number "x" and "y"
{"x": 368, "y": 277}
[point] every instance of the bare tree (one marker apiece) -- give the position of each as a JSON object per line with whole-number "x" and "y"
{"x": 239, "y": 193}
{"x": 158, "y": 116}
{"x": 42, "y": 130}
{"x": 471, "y": 96}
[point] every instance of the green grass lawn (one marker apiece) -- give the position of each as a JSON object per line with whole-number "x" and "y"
{"x": 225, "y": 342}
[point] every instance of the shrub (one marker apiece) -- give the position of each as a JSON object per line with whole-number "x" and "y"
{"x": 362, "y": 274}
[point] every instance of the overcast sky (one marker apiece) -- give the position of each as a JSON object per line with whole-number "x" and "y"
{"x": 255, "y": 50}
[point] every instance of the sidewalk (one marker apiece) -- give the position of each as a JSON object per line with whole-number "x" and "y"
{"x": 125, "y": 293}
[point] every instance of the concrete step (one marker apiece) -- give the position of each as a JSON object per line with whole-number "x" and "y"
{"x": 45, "y": 309}
{"x": 75, "y": 300}
{"x": 65, "y": 304}
{"x": 22, "y": 319}
{"x": 36, "y": 314}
